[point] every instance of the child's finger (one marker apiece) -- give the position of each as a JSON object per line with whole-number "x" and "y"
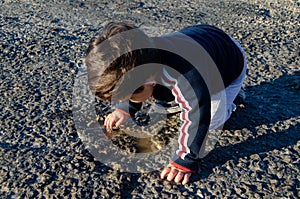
{"x": 179, "y": 176}
{"x": 172, "y": 174}
{"x": 119, "y": 122}
{"x": 107, "y": 119}
{"x": 165, "y": 172}
{"x": 110, "y": 122}
{"x": 186, "y": 178}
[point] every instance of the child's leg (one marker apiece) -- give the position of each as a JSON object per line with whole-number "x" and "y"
{"x": 217, "y": 111}
{"x": 231, "y": 92}
{"x": 234, "y": 88}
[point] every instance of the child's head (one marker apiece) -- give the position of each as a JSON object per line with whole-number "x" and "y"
{"x": 107, "y": 63}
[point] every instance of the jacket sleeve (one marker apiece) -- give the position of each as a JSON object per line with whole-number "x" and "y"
{"x": 129, "y": 107}
{"x": 192, "y": 95}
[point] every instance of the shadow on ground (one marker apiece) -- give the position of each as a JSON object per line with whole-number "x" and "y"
{"x": 266, "y": 104}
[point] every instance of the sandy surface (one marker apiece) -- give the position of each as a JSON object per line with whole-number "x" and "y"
{"x": 41, "y": 154}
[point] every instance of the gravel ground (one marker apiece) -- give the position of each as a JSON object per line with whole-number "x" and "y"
{"x": 42, "y": 156}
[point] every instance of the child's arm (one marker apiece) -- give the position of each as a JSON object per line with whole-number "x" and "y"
{"x": 192, "y": 95}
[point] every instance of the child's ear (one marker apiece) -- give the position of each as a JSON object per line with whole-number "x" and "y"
{"x": 153, "y": 84}
{"x": 150, "y": 83}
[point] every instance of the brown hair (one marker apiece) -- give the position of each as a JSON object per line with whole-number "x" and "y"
{"x": 106, "y": 62}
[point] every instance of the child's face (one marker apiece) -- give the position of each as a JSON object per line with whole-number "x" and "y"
{"x": 144, "y": 94}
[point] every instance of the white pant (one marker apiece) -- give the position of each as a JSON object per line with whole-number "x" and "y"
{"x": 221, "y": 109}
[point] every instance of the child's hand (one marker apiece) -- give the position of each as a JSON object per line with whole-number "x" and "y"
{"x": 115, "y": 118}
{"x": 175, "y": 174}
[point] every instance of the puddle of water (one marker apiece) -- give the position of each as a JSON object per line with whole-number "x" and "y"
{"x": 145, "y": 145}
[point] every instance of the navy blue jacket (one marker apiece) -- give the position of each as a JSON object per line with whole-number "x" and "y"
{"x": 188, "y": 58}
